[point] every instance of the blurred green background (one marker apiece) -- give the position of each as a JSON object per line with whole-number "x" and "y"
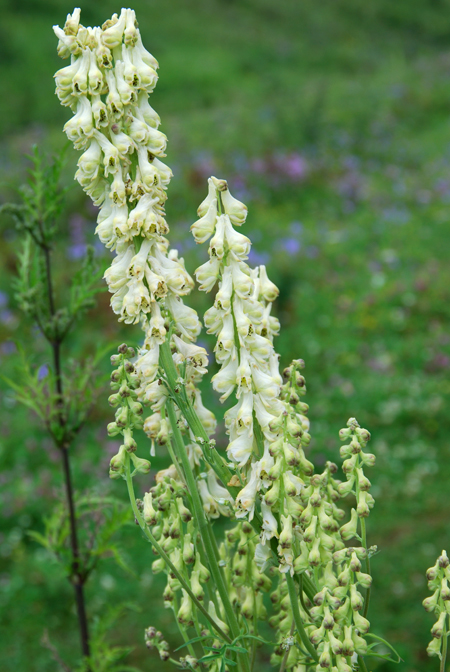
{"x": 331, "y": 121}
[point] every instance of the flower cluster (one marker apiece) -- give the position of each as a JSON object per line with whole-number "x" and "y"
{"x": 438, "y": 577}
{"x": 155, "y": 639}
{"x": 107, "y": 85}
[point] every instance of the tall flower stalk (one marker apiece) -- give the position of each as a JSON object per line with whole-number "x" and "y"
{"x": 287, "y": 534}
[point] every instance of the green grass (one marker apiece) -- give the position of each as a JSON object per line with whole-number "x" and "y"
{"x": 357, "y": 96}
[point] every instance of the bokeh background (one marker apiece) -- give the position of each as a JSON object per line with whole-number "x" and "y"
{"x": 331, "y": 121}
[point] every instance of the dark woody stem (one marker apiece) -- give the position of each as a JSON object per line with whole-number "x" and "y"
{"x": 77, "y": 576}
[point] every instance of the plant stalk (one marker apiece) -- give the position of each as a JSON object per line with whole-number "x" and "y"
{"x": 77, "y": 577}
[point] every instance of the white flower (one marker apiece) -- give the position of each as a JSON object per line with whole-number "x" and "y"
{"x": 90, "y": 161}
{"x": 244, "y": 373}
{"x": 72, "y": 23}
{"x": 210, "y": 506}
{"x": 126, "y": 92}
{"x": 138, "y": 264}
{"x": 203, "y": 229}
{"x": 185, "y": 318}
{"x": 217, "y": 242}
{"x": 240, "y": 449}
{"x": 224, "y": 381}
{"x": 146, "y": 365}
{"x": 225, "y": 345}
{"x": 113, "y": 100}
{"x": 81, "y": 125}
{"x": 95, "y": 77}
{"x": 156, "y": 395}
{"x": 117, "y": 193}
{"x": 112, "y": 36}
{"x": 157, "y": 142}
{"x": 156, "y": 328}
{"x": 204, "y": 205}
{"x": 244, "y": 415}
{"x": 173, "y": 272}
{"x": 138, "y": 131}
{"x": 164, "y": 171}
{"x": 156, "y": 283}
{"x": 131, "y": 33}
{"x": 265, "y": 384}
{"x": 107, "y": 228}
{"x": 242, "y": 283}
{"x": 146, "y": 72}
{"x": 206, "y": 417}
{"x": 238, "y": 243}
{"x": 259, "y": 347}
{"x": 99, "y": 111}
{"x": 117, "y": 274}
{"x": 80, "y": 79}
{"x": 243, "y": 322}
{"x": 146, "y": 111}
{"x": 245, "y": 501}
{"x": 121, "y": 141}
{"x": 223, "y": 296}
{"x": 139, "y": 214}
{"x": 213, "y": 320}
{"x": 149, "y": 174}
{"x": 220, "y": 494}
{"x": 111, "y": 159}
{"x": 267, "y": 289}
{"x": 270, "y": 525}
{"x": 207, "y": 274}
{"x": 193, "y": 354}
{"x": 135, "y": 301}
{"x": 236, "y": 210}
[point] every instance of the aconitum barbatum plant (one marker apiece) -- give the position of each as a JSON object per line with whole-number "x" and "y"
{"x": 287, "y": 537}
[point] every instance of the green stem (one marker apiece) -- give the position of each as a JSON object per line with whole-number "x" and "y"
{"x": 364, "y": 542}
{"x": 204, "y": 528}
{"x": 362, "y": 665}
{"x": 444, "y": 647}
{"x": 301, "y": 632}
{"x": 213, "y": 457}
{"x": 164, "y": 555}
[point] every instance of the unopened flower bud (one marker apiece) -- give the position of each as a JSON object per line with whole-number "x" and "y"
{"x": 348, "y": 646}
{"x": 355, "y": 564}
{"x": 438, "y": 628}
{"x": 361, "y": 623}
{"x": 349, "y": 530}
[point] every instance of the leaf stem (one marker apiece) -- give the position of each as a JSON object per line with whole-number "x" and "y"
{"x": 301, "y": 633}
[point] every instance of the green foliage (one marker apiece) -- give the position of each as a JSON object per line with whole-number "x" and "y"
{"x": 105, "y": 657}
{"x": 100, "y": 519}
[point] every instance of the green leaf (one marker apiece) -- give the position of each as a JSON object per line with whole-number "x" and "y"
{"x": 381, "y": 656}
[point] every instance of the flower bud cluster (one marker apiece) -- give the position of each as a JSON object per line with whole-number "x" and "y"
{"x": 128, "y": 414}
{"x": 283, "y": 622}
{"x": 355, "y": 459}
{"x": 337, "y": 612}
{"x": 438, "y": 603}
{"x": 155, "y": 639}
{"x": 246, "y": 584}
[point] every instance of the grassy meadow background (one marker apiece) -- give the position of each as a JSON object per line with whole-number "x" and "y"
{"x": 331, "y": 120}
